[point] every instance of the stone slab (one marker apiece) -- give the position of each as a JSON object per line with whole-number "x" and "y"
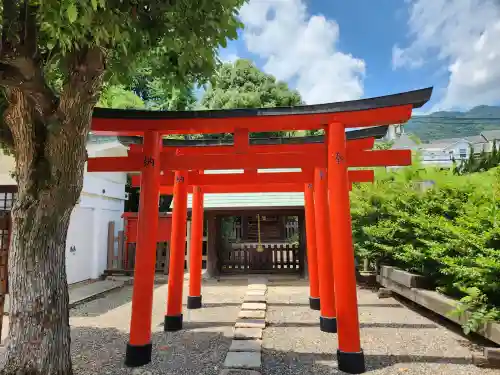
{"x": 256, "y": 292}
{"x": 234, "y": 371}
{"x": 250, "y": 323}
{"x": 247, "y": 333}
{"x": 252, "y": 314}
{"x": 257, "y": 280}
{"x": 257, "y": 286}
{"x": 254, "y": 306}
{"x": 246, "y": 346}
{"x": 252, "y": 298}
{"x": 244, "y": 360}
{"x": 408, "y": 279}
{"x": 492, "y": 353}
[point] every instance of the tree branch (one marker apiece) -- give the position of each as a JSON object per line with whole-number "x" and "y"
{"x": 19, "y": 65}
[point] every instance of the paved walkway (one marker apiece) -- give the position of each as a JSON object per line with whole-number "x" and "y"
{"x": 396, "y": 340}
{"x": 80, "y": 293}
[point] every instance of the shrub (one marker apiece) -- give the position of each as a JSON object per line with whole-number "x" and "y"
{"x": 449, "y": 233}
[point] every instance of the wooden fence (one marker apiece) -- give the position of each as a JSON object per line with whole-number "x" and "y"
{"x": 121, "y": 252}
{"x": 276, "y": 258}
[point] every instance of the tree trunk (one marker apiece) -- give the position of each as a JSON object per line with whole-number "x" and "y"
{"x": 39, "y": 332}
{"x": 50, "y": 153}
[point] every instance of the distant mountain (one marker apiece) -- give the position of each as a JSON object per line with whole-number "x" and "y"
{"x": 454, "y": 124}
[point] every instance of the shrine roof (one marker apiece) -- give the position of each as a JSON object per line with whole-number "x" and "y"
{"x": 383, "y": 110}
{"x": 416, "y": 99}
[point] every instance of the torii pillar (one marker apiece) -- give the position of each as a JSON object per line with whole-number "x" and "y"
{"x": 328, "y": 318}
{"x": 173, "y": 316}
{"x": 196, "y": 249}
{"x": 350, "y": 356}
{"x": 312, "y": 255}
{"x": 138, "y": 352}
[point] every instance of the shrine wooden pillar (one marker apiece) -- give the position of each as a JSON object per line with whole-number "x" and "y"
{"x": 196, "y": 249}
{"x": 349, "y": 355}
{"x": 328, "y": 320}
{"x": 139, "y": 347}
{"x": 173, "y": 317}
{"x": 312, "y": 255}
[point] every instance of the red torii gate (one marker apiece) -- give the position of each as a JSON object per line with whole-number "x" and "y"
{"x": 334, "y": 157}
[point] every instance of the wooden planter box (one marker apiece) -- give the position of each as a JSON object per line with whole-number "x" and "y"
{"x": 410, "y": 286}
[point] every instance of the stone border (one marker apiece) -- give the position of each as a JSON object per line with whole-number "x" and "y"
{"x": 244, "y": 355}
{"x": 432, "y": 300}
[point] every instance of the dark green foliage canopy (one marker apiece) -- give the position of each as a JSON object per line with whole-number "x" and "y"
{"x": 173, "y": 41}
{"x": 242, "y": 85}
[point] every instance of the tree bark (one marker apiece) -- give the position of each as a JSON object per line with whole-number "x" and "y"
{"x": 50, "y": 148}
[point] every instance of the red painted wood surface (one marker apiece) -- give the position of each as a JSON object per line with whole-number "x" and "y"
{"x": 130, "y": 227}
{"x": 353, "y": 119}
{"x": 355, "y": 158}
{"x": 355, "y": 144}
{"x": 279, "y": 181}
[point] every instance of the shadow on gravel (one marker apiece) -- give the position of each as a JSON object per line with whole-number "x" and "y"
{"x": 102, "y": 351}
{"x": 195, "y": 325}
{"x": 286, "y": 304}
{"x": 292, "y": 363}
{"x": 360, "y": 305}
{"x": 361, "y": 325}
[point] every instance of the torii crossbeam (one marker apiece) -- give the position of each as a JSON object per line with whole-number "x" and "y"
{"x": 327, "y": 196}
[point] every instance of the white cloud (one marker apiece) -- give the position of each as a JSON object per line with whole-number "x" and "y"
{"x": 464, "y": 35}
{"x": 229, "y": 57}
{"x": 301, "y": 48}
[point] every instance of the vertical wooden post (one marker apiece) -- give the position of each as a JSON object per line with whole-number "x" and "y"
{"x": 212, "y": 245}
{"x": 111, "y": 244}
{"x": 312, "y": 254}
{"x": 139, "y": 347}
{"x": 194, "y": 298}
{"x": 121, "y": 250}
{"x": 349, "y": 355}
{"x": 173, "y": 316}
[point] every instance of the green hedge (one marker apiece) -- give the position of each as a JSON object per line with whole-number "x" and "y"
{"x": 449, "y": 233}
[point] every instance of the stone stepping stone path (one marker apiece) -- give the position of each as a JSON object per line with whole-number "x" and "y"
{"x": 244, "y": 356}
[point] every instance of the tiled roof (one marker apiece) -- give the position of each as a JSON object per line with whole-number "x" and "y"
{"x": 247, "y": 200}
{"x": 491, "y": 135}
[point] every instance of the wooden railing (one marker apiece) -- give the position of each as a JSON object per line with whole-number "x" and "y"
{"x": 276, "y": 257}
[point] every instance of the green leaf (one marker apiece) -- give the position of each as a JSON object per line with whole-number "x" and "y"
{"x": 94, "y": 4}
{"x": 72, "y": 12}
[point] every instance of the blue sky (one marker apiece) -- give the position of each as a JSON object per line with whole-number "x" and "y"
{"x": 332, "y": 50}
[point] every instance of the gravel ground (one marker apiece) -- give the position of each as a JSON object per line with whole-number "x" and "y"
{"x": 395, "y": 339}
{"x": 100, "y": 333}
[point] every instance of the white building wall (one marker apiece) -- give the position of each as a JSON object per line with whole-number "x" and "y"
{"x": 7, "y": 165}
{"x": 102, "y": 200}
{"x": 79, "y": 245}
